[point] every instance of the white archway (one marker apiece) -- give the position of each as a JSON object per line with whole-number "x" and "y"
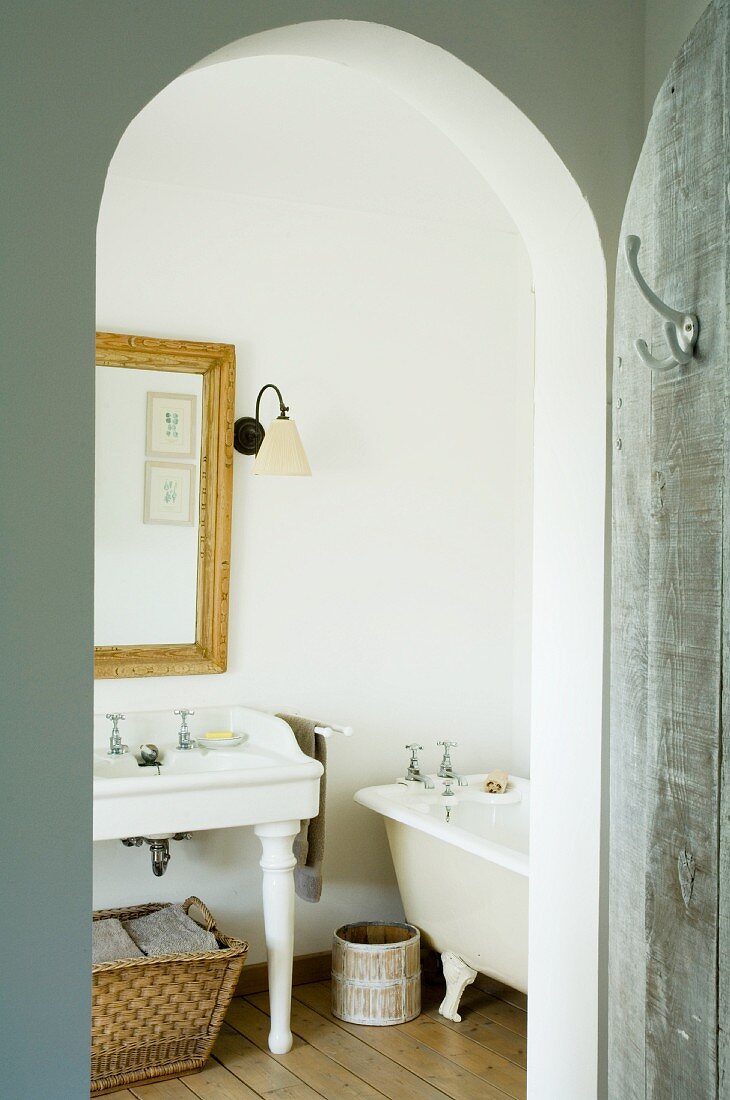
{"x": 569, "y": 442}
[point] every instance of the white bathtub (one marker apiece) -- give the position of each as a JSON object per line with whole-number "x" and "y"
{"x": 464, "y": 882}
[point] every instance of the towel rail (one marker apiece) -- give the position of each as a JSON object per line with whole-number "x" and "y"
{"x": 329, "y": 731}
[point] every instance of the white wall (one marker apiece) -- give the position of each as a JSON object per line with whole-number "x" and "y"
{"x": 390, "y": 591}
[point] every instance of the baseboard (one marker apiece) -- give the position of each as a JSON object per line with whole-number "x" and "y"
{"x": 307, "y": 968}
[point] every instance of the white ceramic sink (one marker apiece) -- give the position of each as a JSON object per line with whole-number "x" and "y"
{"x": 267, "y": 778}
{"x": 266, "y": 782}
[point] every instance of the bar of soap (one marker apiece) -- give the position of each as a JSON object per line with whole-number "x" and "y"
{"x": 218, "y": 735}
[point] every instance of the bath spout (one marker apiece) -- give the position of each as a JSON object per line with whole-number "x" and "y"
{"x": 428, "y": 783}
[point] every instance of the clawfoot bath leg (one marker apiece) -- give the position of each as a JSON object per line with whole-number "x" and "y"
{"x": 458, "y": 976}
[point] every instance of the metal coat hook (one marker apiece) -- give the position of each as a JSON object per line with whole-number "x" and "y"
{"x": 680, "y": 328}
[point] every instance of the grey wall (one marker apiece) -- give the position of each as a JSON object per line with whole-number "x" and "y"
{"x": 73, "y": 74}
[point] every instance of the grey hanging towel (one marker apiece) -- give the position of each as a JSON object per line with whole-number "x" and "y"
{"x": 309, "y": 844}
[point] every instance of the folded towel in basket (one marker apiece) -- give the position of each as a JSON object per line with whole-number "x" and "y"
{"x": 110, "y": 942}
{"x": 170, "y": 931}
{"x": 309, "y": 844}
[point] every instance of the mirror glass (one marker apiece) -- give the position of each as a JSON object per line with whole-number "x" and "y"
{"x": 148, "y": 436}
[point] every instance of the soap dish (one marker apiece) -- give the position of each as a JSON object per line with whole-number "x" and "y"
{"x": 222, "y": 742}
{"x": 506, "y": 798}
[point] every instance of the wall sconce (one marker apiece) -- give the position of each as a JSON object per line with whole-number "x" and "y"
{"x": 279, "y": 450}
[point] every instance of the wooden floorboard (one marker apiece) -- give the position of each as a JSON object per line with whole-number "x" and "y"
{"x": 504, "y": 992}
{"x": 430, "y": 1058}
{"x": 487, "y": 1034}
{"x": 496, "y": 1010}
{"x": 261, "y": 1071}
{"x": 174, "y": 1089}
{"x": 216, "y": 1082}
{"x": 449, "y": 1077}
{"x": 370, "y": 1065}
{"x": 327, "y": 1076}
{"x": 464, "y": 1052}
{"x": 501, "y": 1040}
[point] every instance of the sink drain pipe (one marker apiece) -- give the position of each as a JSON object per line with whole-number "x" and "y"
{"x": 159, "y": 849}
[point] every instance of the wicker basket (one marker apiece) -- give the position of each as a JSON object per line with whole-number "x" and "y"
{"x": 158, "y": 1016}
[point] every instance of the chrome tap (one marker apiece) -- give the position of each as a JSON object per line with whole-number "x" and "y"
{"x": 446, "y": 770}
{"x": 184, "y": 740}
{"x": 413, "y": 772}
{"x": 116, "y": 748}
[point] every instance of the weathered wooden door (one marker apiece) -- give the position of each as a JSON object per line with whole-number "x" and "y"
{"x": 670, "y": 792}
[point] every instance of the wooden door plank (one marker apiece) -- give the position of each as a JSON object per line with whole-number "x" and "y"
{"x": 369, "y": 1065}
{"x": 450, "y": 1078}
{"x": 631, "y": 505}
{"x": 685, "y": 578}
{"x": 668, "y": 619}
{"x": 329, "y": 1078}
{"x": 260, "y": 1071}
{"x": 723, "y": 1008}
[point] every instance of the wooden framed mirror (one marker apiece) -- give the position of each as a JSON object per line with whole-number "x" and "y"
{"x": 164, "y": 485}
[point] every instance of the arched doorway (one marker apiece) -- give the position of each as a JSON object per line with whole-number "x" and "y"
{"x": 558, "y": 228}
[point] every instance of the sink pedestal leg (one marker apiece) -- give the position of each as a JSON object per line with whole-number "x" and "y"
{"x": 278, "y": 863}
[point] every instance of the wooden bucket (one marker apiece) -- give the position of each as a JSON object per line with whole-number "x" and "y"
{"x": 376, "y": 973}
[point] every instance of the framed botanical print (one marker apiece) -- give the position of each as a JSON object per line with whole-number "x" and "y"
{"x": 171, "y": 425}
{"x": 169, "y": 493}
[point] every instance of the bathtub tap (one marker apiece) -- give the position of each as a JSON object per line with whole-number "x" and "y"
{"x": 446, "y": 770}
{"x": 413, "y": 771}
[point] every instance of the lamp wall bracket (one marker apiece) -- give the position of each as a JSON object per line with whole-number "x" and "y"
{"x": 248, "y": 431}
{"x": 248, "y": 435}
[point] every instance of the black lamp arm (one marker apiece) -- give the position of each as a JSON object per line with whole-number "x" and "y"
{"x": 283, "y": 409}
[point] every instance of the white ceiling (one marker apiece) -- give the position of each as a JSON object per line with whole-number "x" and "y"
{"x": 302, "y": 130}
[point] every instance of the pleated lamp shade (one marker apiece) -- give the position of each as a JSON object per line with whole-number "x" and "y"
{"x": 281, "y": 452}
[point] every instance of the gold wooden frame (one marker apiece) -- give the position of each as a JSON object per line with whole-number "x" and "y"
{"x": 217, "y": 364}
